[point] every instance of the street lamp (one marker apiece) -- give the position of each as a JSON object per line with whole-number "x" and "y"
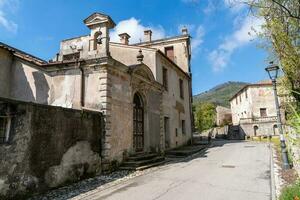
{"x": 272, "y": 70}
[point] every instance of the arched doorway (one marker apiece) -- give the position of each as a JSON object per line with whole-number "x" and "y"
{"x": 138, "y": 123}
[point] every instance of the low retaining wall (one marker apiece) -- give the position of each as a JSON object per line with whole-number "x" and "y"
{"x": 47, "y": 147}
{"x": 293, "y": 144}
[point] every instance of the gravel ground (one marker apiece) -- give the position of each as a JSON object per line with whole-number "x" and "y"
{"x": 98, "y": 183}
{"x": 86, "y": 185}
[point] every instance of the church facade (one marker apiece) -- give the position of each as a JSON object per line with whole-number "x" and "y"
{"x": 143, "y": 90}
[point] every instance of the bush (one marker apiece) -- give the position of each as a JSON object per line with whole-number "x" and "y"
{"x": 291, "y": 192}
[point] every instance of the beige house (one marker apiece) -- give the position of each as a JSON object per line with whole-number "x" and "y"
{"x": 253, "y": 109}
{"x": 143, "y": 90}
{"x": 223, "y": 116}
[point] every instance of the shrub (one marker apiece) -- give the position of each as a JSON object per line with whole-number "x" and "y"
{"x": 291, "y": 192}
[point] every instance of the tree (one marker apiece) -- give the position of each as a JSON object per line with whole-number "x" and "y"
{"x": 282, "y": 31}
{"x": 205, "y": 114}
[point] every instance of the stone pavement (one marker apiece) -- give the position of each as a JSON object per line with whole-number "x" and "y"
{"x": 230, "y": 170}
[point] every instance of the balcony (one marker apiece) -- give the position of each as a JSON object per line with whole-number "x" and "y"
{"x": 258, "y": 120}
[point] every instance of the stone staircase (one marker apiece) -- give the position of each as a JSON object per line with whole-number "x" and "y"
{"x": 185, "y": 151}
{"x": 142, "y": 161}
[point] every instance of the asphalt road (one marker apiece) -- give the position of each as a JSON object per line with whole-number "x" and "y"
{"x": 227, "y": 171}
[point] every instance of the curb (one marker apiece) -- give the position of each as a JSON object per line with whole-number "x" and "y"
{"x": 273, "y": 187}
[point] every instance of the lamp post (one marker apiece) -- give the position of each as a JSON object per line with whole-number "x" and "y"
{"x": 272, "y": 70}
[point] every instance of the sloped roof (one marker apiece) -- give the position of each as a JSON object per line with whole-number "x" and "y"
{"x": 22, "y": 54}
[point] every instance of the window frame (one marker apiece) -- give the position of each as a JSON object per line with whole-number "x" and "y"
{"x": 3, "y": 130}
{"x": 181, "y": 92}
{"x": 264, "y": 113}
{"x": 168, "y": 48}
{"x": 165, "y": 78}
{"x": 183, "y": 127}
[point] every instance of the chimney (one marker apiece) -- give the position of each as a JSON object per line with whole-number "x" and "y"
{"x": 99, "y": 24}
{"x": 184, "y": 31}
{"x": 124, "y": 38}
{"x": 147, "y": 35}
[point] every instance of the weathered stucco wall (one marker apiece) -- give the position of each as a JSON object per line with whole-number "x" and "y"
{"x": 65, "y": 88}
{"x": 120, "y": 117}
{"x": 248, "y": 106}
{"x": 5, "y": 63}
{"x": 48, "y": 147}
{"x": 181, "y": 57}
{"x": 28, "y": 83}
{"x": 127, "y": 55}
{"x": 262, "y": 129}
{"x": 174, "y": 107}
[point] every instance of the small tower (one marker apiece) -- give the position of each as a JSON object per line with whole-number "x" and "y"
{"x": 99, "y": 24}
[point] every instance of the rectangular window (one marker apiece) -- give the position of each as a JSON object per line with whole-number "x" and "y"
{"x": 181, "y": 88}
{"x": 246, "y": 94}
{"x": 72, "y": 56}
{"x": 176, "y": 132}
{"x": 165, "y": 78}
{"x": 236, "y": 100}
{"x": 240, "y": 97}
{"x": 169, "y": 51}
{"x": 183, "y": 126}
{"x": 2, "y": 130}
{"x": 263, "y": 112}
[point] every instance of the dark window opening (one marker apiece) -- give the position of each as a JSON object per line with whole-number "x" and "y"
{"x": 255, "y": 130}
{"x": 263, "y": 112}
{"x": 165, "y": 78}
{"x": 181, "y": 88}
{"x": 183, "y": 126}
{"x": 2, "y": 130}
{"x": 169, "y": 51}
{"x": 72, "y": 56}
{"x": 176, "y": 132}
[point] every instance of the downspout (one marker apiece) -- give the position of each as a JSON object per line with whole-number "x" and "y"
{"x": 82, "y": 85}
{"x": 8, "y": 124}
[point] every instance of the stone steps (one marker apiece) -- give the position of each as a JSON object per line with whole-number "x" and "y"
{"x": 142, "y": 161}
{"x": 184, "y": 151}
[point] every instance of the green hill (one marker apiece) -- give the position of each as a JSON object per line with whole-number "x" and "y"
{"x": 220, "y": 94}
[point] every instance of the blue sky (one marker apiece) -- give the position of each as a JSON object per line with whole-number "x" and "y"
{"x": 224, "y": 39}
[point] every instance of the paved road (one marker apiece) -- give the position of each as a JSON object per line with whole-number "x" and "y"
{"x": 228, "y": 171}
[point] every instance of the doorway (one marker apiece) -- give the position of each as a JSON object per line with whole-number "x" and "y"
{"x": 138, "y": 123}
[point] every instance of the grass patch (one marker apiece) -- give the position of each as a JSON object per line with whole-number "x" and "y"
{"x": 291, "y": 192}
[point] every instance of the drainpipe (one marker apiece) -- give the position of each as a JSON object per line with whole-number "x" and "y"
{"x": 82, "y": 86}
{"x": 8, "y": 125}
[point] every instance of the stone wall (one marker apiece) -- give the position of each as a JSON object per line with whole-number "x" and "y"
{"x": 48, "y": 147}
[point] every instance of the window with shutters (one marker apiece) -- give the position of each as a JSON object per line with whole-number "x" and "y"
{"x": 169, "y": 51}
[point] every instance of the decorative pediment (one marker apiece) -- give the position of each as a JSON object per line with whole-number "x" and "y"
{"x": 97, "y": 19}
{"x": 142, "y": 70}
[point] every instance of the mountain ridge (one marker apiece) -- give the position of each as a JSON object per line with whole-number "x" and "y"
{"x": 220, "y": 94}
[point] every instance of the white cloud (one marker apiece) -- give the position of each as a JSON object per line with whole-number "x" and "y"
{"x": 8, "y": 6}
{"x": 198, "y": 39}
{"x": 135, "y": 29}
{"x": 248, "y": 30}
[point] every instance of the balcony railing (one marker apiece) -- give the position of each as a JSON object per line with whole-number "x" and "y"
{"x": 258, "y": 119}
